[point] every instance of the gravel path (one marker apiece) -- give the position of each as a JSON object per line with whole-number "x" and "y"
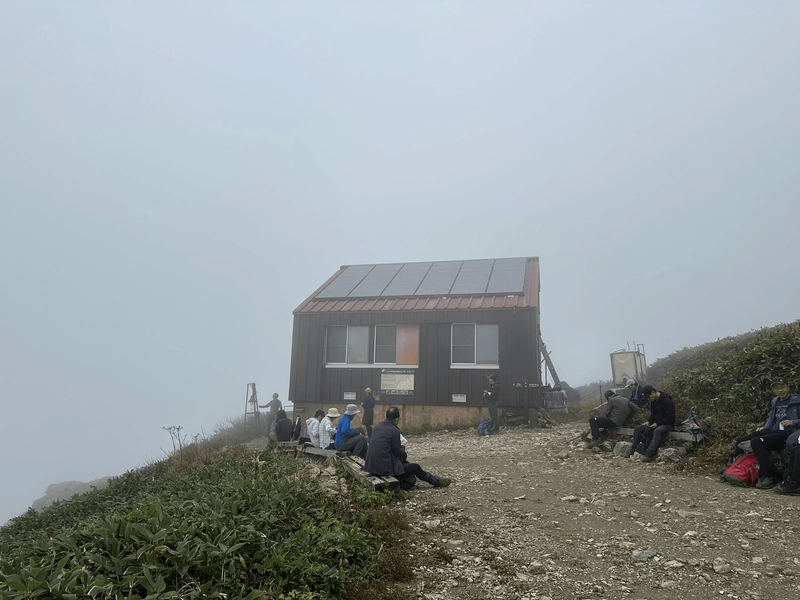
{"x": 533, "y": 514}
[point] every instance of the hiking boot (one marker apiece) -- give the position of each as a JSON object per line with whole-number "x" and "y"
{"x": 765, "y": 483}
{"x": 647, "y": 458}
{"x": 444, "y": 481}
{"x": 594, "y": 443}
{"x": 787, "y": 489}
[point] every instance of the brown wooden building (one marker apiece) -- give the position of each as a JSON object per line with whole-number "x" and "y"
{"x": 424, "y": 336}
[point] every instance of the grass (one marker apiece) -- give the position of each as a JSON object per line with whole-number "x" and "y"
{"x": 209, "y": 523}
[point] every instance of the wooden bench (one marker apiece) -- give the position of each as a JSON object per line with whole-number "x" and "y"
{"x": 353, "y": 465}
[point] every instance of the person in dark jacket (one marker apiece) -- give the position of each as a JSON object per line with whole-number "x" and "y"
{"x": 368, "y": 418}
{"x": 784, "y": 419}
{"x": 492, "y": 396}
{"x": 661, "y": 422}
{"x": 636, "y": 393}
{"x": 617, "y": 411}
{"x": 283, "y": 427}
{"x": 791, "y": 479}
{"x": 386, "y": 457}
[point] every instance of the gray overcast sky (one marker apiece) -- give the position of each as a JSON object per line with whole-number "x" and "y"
{"x": 175, "y": 178}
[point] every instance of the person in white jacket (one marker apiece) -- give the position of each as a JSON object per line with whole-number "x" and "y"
{"x": 327, "y": 430}
{"x": 312, "y": 427}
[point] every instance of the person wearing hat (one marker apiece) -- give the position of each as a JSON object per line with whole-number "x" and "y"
{"x": 386, "y": 456}
{"x": 349, "y": 439}
{"x": 326, "y": 429}
{"x": 636, "y": 393}
{"x": 492, "y": 396}
{"x": 647, "y": 436}
{"x": 617, "y": 411}
{"x": 784, "y": 418}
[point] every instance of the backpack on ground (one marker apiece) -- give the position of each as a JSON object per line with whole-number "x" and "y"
{"x": 742, "y": 471}
{"x": 694, "y": 427}
{"x": 485, "y": 426}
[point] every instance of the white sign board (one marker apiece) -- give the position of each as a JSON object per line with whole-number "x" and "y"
{"x": 459, "y": 397}
{"x": 349, "y": 395}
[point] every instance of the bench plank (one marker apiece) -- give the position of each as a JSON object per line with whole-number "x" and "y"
{"x": 672, "y": 435}
{"x": 354, "y": 464}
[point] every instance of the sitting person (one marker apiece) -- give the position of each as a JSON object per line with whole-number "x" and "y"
{"x": 791, "y": 479}
{"x": 636, "y": 393}
{"x": 386, "y": 457}
{"x": 283, "y": 427}
{"x": 784, "y": 418}
{"x": 312, "y": 427}
{"x": 661, "y": 422}
{"x": 618, "y": 410}
{"x": 349, "y": 439}
{"x": 327, "y": 431}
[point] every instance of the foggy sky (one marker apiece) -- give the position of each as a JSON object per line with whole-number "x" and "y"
{"x": 176, "y": 178}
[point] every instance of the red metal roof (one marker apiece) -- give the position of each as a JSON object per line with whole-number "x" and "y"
{"x": 527, "y": 299}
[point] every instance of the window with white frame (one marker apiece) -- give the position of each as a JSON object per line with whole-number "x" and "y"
{"x": 391, "y": 345}
{"x": 347, "y": 344}
{"x": 474, "y": 344}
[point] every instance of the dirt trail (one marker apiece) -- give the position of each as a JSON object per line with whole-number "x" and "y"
{"x": 533, "y": 514}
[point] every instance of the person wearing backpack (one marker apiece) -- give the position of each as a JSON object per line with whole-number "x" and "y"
{"x": 647, "y": 437}
{"x": 784, "y": 419}
{"x": 618, "y": 410}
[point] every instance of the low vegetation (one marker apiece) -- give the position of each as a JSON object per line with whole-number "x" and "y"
{"x": 226, "y": 524}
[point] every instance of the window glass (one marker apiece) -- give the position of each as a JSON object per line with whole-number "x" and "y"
{"x": 463, "y": 343}
{"x": 358, "y": 344}
{"x": 386, "y": 344}
{"x": 336, "y": 346}
{"x": 486, "y": 342}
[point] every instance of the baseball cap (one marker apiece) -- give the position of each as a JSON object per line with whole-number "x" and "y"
{"x": 778, "y": 381}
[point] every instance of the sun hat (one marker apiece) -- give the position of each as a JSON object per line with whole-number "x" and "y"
{"x": 333, "y": 413}
{"x": 351, "y": 410}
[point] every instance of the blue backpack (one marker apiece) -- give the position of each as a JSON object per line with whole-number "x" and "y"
{"x": 485, "y": 426}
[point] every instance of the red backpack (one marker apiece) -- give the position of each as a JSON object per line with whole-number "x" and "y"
{"x": 742, "y": 471}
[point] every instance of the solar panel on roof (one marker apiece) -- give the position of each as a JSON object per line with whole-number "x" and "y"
{"x": 508, "y": 276}
{"x": 345, "y": 282}
{"x": 447, "y": 278}
{"x": 407, "y": 280}
{"x": 439, "y": 279}
{"x": 375, "y": 282}
{"x": 473, "y": 277}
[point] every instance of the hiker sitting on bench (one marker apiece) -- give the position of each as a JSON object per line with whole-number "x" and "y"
{"x": 349, "y": 439}
{"x": 386, "y": 457}
{"x": 618, "y": 410}
{"x": 784, "y": 418}
{"x": 647, "y": 437}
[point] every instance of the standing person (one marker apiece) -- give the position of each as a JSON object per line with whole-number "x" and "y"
{"x": 386, "y": 456}
{"x": 327, "y": 431}
{"x": 368, "y": 404}
{"x": 312, "y": 427}
{"x": 283, "y": 427}
{"x": 784, "y": 418}
{"x": 492, "y": 396}
{"x": 618, "y": 410}
{"x": 349, "y": 439}
{"x": 636, "y": 393}
{"x": 661, "y": 422}
{"x": 274, "y": 406}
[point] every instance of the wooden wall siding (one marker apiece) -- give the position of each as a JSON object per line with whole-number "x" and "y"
{"x": 435, "y": 382}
